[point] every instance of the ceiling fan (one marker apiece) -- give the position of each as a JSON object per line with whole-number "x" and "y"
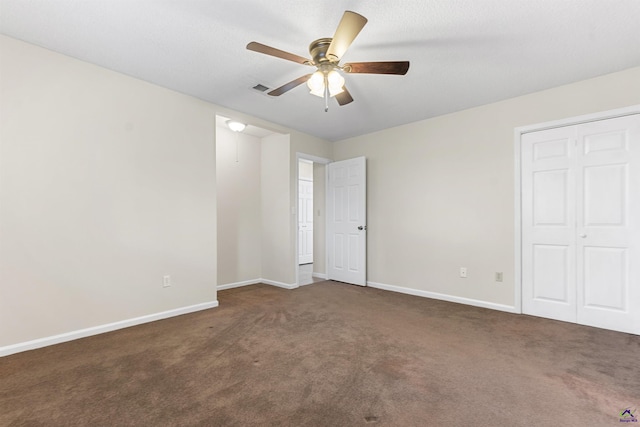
{"x": 326, "y": 53}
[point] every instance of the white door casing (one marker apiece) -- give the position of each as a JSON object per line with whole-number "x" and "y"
{"x": 347, "y": 221}
{"x": 580, "y": 223}
{"x": 305, "y": 221}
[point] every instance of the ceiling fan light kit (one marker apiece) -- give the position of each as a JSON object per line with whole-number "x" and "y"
{"x": 321, "y": 80}
{"x": 326, "y": 53}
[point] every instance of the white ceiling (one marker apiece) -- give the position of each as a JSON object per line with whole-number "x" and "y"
{"x": 463, "y": 53}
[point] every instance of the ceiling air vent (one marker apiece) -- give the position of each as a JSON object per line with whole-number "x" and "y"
{"x": 260, "y": 88}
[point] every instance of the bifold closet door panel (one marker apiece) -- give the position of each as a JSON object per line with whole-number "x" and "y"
{"x": 548, "y": 224}
{"x": 608, "y": 224}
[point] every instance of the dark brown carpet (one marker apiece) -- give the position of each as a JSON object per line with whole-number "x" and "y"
{"x": 329, "y": 354}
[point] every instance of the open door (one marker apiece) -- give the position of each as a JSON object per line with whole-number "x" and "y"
{"x": 347, "y": 221}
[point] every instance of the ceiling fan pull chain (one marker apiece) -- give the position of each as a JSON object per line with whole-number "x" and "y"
{"x": 326, "y": 93}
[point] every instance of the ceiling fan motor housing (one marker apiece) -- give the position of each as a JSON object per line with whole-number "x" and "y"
{"x": 318, "y": 50}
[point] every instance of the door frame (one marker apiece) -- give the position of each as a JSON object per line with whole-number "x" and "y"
{"x": 518, "y": 132}
{"x": 314, "y": 159}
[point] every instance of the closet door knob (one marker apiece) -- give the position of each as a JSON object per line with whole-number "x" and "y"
{"x": 583, "y": 235}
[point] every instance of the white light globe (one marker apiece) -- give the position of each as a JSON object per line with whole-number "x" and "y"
{"x": 336, "y": 82}
{"x": 316, "y": 83}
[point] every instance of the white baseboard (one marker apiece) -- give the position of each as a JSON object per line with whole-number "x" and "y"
{"x": 255, "y": 282}
{"x": 238, "y": 284}
{"x": 83, "y": 333}
{"x": 279, "y": 284}
{"x": 444, "y": 297}
{"x": 320, "y": 275}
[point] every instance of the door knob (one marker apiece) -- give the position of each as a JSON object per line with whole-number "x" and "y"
{"x": 360, "y": 227}
{"x": 583, "y": 235}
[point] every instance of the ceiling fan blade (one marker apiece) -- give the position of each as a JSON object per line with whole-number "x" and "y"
{"x": 385, "y": 67}
{"x": 344, "y": 97}
{"x": 348, "y": 29}
{"x": 268, "y": 50}
{"x": 287, "y": 87}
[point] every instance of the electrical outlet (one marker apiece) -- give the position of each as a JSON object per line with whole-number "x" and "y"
{"x": 498, "y": 276}
{"x": 166, "y": 281}
{"x": 463, "y": 272}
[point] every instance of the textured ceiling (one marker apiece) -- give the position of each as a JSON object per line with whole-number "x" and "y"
{"x": 463, "y": 53}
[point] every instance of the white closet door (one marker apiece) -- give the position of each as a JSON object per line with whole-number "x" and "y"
{"x": 581, "y": 223}
{"x": 548, "y": 224}
{"x": 608, "y": 273}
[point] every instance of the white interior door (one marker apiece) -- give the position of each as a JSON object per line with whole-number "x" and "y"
{"x": 581, "y": 223}
{"x": 347, "y": 221}
{"x": 608, "y": 224}
{"x": 305, "y": 221}
{"x": 548, "y": 224}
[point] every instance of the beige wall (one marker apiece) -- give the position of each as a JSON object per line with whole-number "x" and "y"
{"x": 279, "y": 241}
{"x": 254, "y": 211}
{"x": 319, "y": 219}
{"x": 305, "y": 170}
{"x": 107, "y": 184}
{"x": 238, "y": 164}
{"x": 441, "y": 191}
{"x": 276, "y": 178}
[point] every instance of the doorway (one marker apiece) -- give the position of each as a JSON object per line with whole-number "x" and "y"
{"x": 305, "y": 212}
{"x": 310, "y": 260}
